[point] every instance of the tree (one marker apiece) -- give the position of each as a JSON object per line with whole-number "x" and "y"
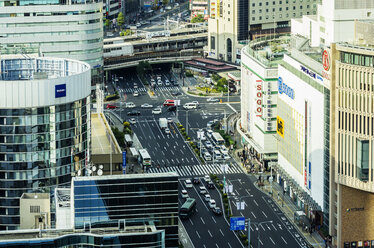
{"x": 165, "y": 2}
{"x": 198, "y": 18}
{"x": 107, "y": 23}
{"x": 120, "y": 19}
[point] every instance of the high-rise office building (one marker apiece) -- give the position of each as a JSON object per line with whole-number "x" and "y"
{"x": 44, "y": 127}
{"x": 237, "y": 21}
{"x": 55, "y": 28}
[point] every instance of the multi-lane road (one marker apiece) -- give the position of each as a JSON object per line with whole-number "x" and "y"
{"x": 170, "y": 152}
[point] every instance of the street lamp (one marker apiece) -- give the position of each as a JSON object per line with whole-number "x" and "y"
{"x": 257, "y": 229}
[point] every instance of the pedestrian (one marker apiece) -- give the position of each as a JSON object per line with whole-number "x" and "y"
{"x": 325, "y": 240}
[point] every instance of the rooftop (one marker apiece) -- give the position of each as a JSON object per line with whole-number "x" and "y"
{"x": 35, "y": 196}
{"x": 31, "y": 67}
{"x": 269, "y": 50}
{"x": 102, "y": 136}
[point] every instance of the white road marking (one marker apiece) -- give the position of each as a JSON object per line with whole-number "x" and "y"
{"x": 217, "y": 245}
{"x": 229, "y": 245}
{"x": 271, "y": 240}
{"x": 221, "y": 232}
{"x": 274, "y": 226}
{"x": 210, "y": 234}
{"x": 283, "y": 240}
{"x": 253, "y": 214}
{"x": 202, "y": 220}
{"x": 262, "y": 227}
{"x": 213, "y": 219}
{"x": 264, "y": 214}
{"x": 198, "y": 235}
{"x": 255, "y": 202}
{"x": 191, "y": 221}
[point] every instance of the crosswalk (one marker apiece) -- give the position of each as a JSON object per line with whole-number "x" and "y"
{"x": 142, "y": 89}
{"x": 197, "y": 170}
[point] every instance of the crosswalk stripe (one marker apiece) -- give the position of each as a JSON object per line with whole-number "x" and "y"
{"x": 198, "y": 169}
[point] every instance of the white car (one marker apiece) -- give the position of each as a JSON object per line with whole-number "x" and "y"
{"x": 130, "y": 105}
{"x": 209, "y": 133}
{"x": 159, "y": 83}
{"x": 132, "y": 121}
{"x": 188, "y": 184}
{"x": 170, "y": 120}
{"x": 207, "y": 178}
{"x": 212, "y": 203}
{"x": 207, "y": 198}
{"x": 184, "y": 193}
{"x": 146, "y": 105}
{"x": 226, "y": 156}
{"x": 195, "y": 102}
{"x": 189, "y": 105}
{"x": 136, "y": 93}
{"x": 211, "y": 99}
{"x": 156, "y": 111}
{"x": 167, "y": 130}
{"x": 202, "y": 190}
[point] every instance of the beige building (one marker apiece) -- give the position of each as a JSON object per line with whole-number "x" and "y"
{"x": 352, "y": 138}
{"x": 35, "y": 211}
{"x": 237, "y": 21}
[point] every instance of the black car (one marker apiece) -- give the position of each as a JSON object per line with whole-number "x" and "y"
{"x": 175, "y": 93}
{"x": 196, "y": 180}
{"x": 217, "y": 211}
{"x": 133, "y": 113}
{"x": 172, "y": 108}
{"x": 210, "y": 185}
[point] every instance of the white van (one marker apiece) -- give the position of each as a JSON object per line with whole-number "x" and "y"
{"x": 207, "y": 156}
{"x": 189, "y": 105}
{"x": 217, "y": 155}
{"x": 130, "y": 105}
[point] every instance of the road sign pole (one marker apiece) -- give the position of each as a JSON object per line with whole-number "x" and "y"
{"x": 249, "y": 233}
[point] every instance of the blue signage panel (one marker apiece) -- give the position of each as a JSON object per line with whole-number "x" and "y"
{"x": 60, "y": 90}
{"x": 124, "y": 162}
{"x": 237, "y": 223}
{"x": 284, "y": 88}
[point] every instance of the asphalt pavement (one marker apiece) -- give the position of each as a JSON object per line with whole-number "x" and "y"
{"x": 205, "y": 229}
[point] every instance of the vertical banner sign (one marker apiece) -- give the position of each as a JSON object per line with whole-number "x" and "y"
{"x": 305, "y": 143}
{"x": 258, "y": 98}
{"x": 248, "y": 122}
{"x": 309, "y": 145}
{"x": 280, "y": 126}
{"x": 124, "y": 162}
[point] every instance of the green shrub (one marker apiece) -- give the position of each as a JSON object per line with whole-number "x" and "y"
{"x": 188, "y": 139}
{"x": 183, "y": 129}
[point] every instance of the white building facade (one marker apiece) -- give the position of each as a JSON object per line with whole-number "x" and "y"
{"x": 63, "y": 29}
{"x": 302, "y": 130}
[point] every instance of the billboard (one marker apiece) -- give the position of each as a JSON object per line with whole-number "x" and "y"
{"x": 60, "y": 90}
{"x": 280, "y": 126}
{"x": 258, "y": 98}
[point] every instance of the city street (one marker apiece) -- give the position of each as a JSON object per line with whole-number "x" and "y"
{"x": 204, "y": 228}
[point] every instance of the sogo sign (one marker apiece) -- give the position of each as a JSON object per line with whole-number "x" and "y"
{"x": 258, "y": 98}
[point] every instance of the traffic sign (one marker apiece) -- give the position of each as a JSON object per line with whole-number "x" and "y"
{"x": 237, "y": 223}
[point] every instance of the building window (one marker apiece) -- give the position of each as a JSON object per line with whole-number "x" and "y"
{"x": 363, "y": 159}
{"x": 253, "y": 11}
{"x": 267, "y": 3}
{"x": 260, "y": 18}
{"x": 301, "y": 7}
{"x": 253, "y": 18}
{"x": 253, "y": 4}
{"x": 267, "y": 10}
{"x": 273, "y": 9}
{"x": 293, "y": 7}
{"x": 280, "y": 9}
{"x": 34, "y": 209}
{"x": 260, "y": 4}
{"x": 260, "y": 11}
{"x": 286, "y": 8}
{"x": 273, "y": 2}
{"x": 212, "y": 42}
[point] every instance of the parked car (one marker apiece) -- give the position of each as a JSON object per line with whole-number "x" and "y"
{"x": 170, "y": 120}
{"x": 167, "y": 130}
{"x": 184, "y": 194}
{"x": 156, "y": 111}
{"x": 146, "y": 105}
{"x": 207, "y": 198}
{"x": 132, "y": 121}
{"x": 110, "y": 106}
{"x": 208, "y": 144}
{"x": 217, "y": 211}
{"x": 212, "y": 203}
{"x": 209, "y": 133}
{"x": 212, "y": 99}
{"x": 131, "y": 113}
{"x": 207, "y": 178}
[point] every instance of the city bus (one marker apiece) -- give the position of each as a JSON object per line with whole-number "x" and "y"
{"x": 188, "y": 208}
{"x": 217, "y": 138}
{"x": 144, "y": 158}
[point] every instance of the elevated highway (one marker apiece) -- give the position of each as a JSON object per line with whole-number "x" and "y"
{"x": 159, "y": 47}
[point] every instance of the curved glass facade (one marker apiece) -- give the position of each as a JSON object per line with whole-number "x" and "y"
{"x": 39, "y": 149}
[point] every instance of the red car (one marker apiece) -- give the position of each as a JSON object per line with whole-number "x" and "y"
{"x": 110, "y": 106}
{"x": 169, "y": 103}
